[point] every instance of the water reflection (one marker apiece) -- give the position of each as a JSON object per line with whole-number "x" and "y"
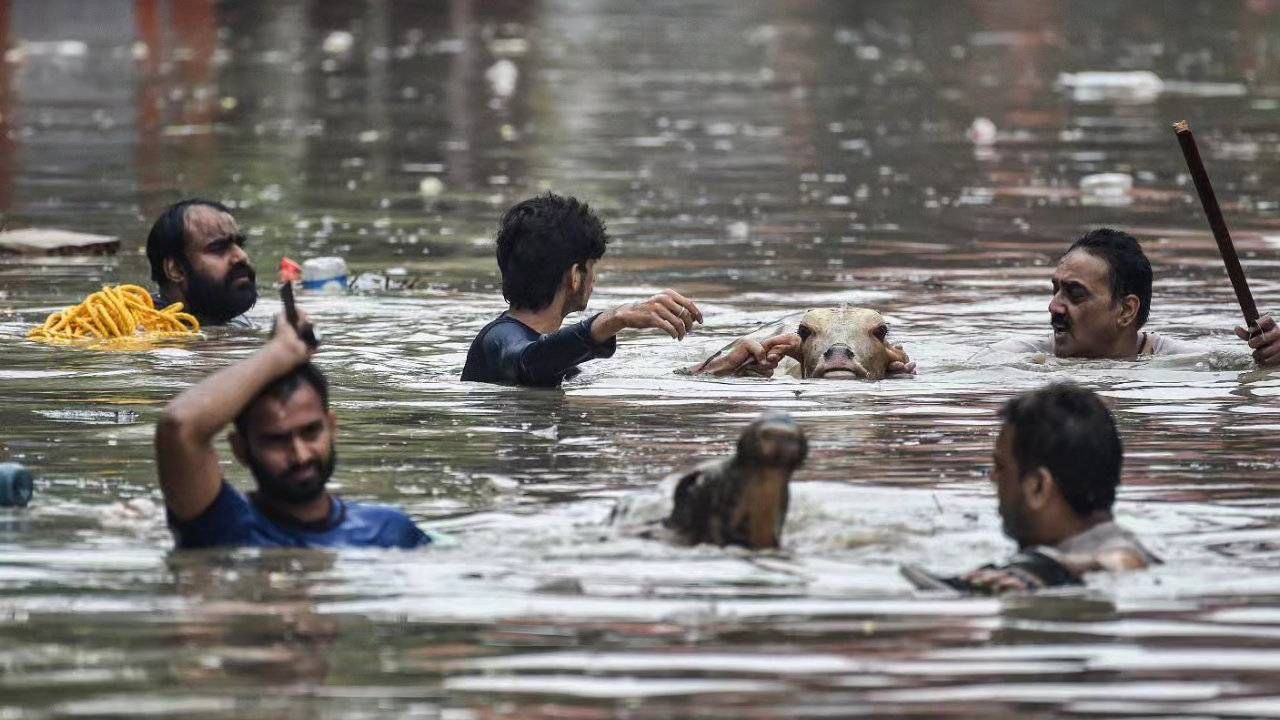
{"x": 763, "y": 158}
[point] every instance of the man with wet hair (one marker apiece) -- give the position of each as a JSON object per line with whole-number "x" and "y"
{"x": 1057, "y": 463}
{"x": 1101, "y": 300}
{"x": 284, "y": 433}
{"x": 197, "y": 257}
{"x": 548, "y": 247}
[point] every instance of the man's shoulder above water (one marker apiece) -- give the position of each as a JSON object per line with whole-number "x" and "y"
{"x": 1106, "y": 546}
{"x": 484, "y": 362}
{"x": 235, "y": 520}
{"x": 507, "y": 351}
{"x": 1159, "y": 345}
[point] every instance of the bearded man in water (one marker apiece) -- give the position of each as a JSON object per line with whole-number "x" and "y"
{"x": 277, "y": 403}
{"x": 197, "y": 258}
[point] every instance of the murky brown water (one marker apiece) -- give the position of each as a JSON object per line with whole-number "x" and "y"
{"x": 761, "y": 157}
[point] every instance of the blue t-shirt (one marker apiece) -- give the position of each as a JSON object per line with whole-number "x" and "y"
{"x": 508, "y": 352}
{"x": 234, "y": 520}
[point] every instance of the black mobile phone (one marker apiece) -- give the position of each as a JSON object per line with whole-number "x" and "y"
{"x": 291, "y": 314}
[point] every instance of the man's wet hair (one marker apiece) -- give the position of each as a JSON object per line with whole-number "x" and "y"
{"x": 538, "y": 240}
{"x": 283, "y": 387}
{"x": 168, "y": 236}
{"x": 1130, "y": 269}
{"x": 1068, "y": 431}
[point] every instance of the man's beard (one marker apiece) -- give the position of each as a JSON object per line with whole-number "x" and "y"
{"x": 578, "y": 302}
{"x": 216, "y": 303}
{"x": 284, "y": 492}
{"x": 1016, "y": 527}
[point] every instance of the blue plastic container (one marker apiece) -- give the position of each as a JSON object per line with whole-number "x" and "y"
{"x": 15, "y": 485}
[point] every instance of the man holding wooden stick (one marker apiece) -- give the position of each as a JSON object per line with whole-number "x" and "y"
{"x": 1260, "y": 332}
{"x": 1101, "y": 301}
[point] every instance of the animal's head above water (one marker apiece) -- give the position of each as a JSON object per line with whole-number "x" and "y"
{"x": 743, "y": 500}
{"x": 773, "y": 440}
{"x": 846, "y": 343}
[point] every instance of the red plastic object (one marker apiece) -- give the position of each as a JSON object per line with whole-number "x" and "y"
{"x": 290, "y": 271}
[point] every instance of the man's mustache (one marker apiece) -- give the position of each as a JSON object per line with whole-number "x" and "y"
{"x": 1060, "y": 322}
{"x": 241, "y": 271}
{"x": 309, "y": 469}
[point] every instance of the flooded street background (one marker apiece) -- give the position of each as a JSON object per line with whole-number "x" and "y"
{"x": 760, "y": 157}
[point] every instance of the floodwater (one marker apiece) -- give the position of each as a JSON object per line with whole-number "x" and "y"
{"x": 760, "y": 157}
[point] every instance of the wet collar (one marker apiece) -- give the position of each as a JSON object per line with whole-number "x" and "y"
{"x": 337, "y": 514}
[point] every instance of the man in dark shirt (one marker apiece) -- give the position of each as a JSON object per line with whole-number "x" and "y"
{"x": 197, "y": 258}
{"x": 284, "y": 434}
{"x": 1056, "y": 468}
{"x": 548, "y": 247}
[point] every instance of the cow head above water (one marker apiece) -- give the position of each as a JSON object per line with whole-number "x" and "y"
{"x": 845, "y": 343}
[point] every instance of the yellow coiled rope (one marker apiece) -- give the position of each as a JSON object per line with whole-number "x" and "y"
{"x": 123, "y": 312}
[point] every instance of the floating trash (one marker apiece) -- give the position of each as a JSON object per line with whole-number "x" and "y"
{"x": 324, "y": 274}
{"x": 1106, "y": 189}
{"x": 15, "y": 485}
{"x": 431, "y": 187}
{"x": 338, "y": 42}
{"x": 1138, "y": 86}
{"x": 392, "y": 279}
{"x": 92, "y": 417}
{"x": 502, "y": 77}
{"x": 51, "y": 241}
{"x": 982, "y": 131}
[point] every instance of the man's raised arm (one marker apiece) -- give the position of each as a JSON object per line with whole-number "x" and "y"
{"x": 185, "y": 458}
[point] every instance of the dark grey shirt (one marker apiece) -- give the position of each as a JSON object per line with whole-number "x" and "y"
{"x": 508, "y": 352}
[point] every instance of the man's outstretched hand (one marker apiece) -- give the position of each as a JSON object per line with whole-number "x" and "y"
{"x": 668, "y": 311}
{"x": 1266, "y": 343}
{"x": 899, "y": 368}
{"x": 753, "y": 357}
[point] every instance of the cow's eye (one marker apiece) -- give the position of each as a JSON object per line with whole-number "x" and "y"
{"x": 804, "y": 331}
{"x": 881, "y": 332}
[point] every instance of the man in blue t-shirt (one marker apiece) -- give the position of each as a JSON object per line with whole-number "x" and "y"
{"x": 284, "y": 432}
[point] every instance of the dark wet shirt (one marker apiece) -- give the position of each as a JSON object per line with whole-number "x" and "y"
{"x": 234, "y": 520}
{"x": 508, "y": 352}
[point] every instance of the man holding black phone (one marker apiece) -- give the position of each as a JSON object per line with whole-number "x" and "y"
{"x": 284, "y": 433}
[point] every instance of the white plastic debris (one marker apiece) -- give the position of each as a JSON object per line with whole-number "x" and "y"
{"x": 982, "y": 131}
{"x": 338, "y": 42}
{"x": 431, "y": 187}
{"x": 502, "y": 77}
{"x": 1137, "y": 86}
{"x": 324, "y": 274}
{"x": 1106, "y": 189}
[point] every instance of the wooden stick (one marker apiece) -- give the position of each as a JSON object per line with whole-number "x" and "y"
{"x": 1219, "y": 226}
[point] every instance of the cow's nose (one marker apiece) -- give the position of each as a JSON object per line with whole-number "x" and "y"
{"x": 839, "y": 350}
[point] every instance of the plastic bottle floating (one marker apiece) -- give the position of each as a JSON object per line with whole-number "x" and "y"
{"x": 122, "y": 317}
{"x": 324, "y": 274}
{"x": 15, "y": 485}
